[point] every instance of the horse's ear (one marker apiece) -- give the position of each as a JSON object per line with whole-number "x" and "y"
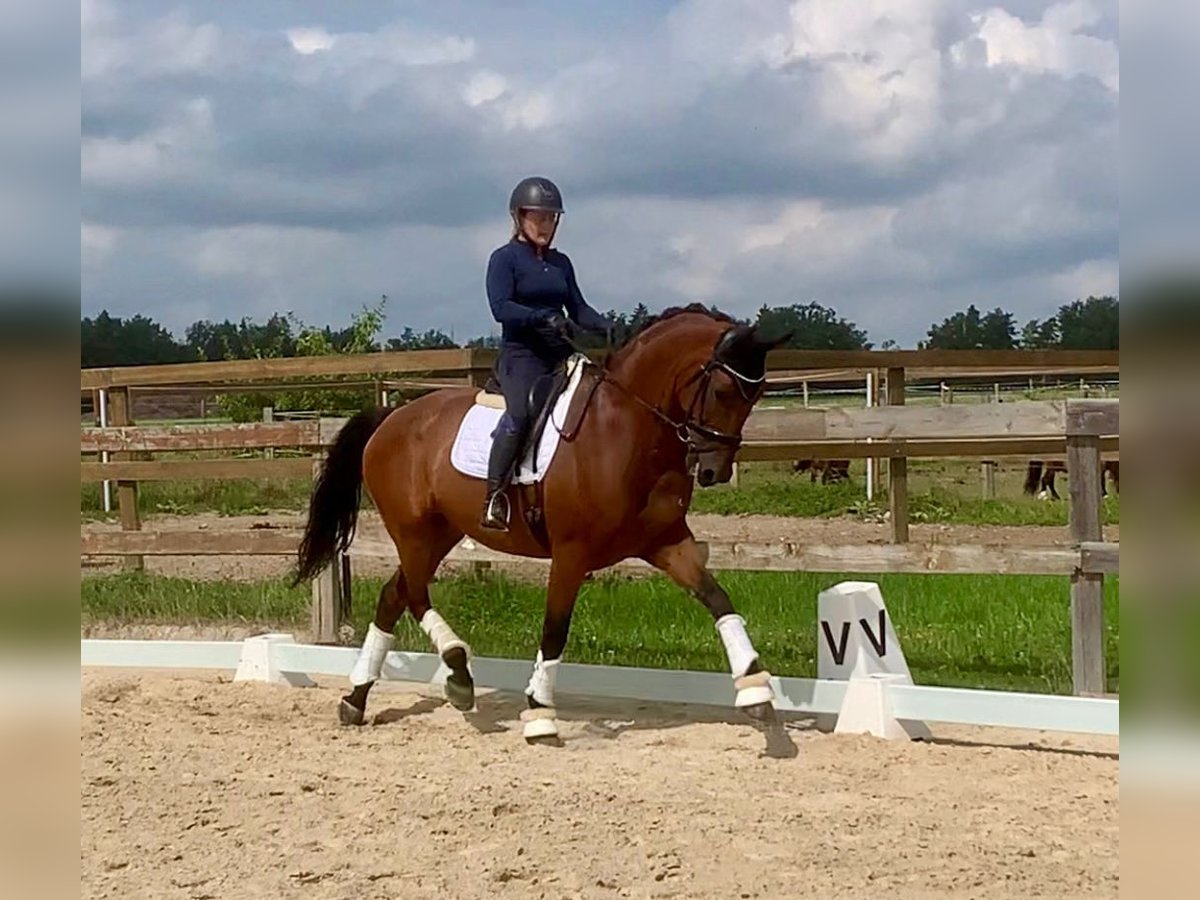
{"x": 730, "y": 339}
{"x": 767, "y": 341}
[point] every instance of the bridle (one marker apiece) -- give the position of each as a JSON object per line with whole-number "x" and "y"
{"x": 687, "y": 430}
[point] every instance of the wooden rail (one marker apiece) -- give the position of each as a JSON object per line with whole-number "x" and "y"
{"x": 1083, "y": 430}
{"x": 459, "y": 361}
{"x": 1093, "y": 559}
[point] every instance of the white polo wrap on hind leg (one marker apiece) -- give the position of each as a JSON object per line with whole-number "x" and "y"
{"x": 751, "y": 689}
{"x": 377, "y": 644}
{"x": 440, "y": 634}
{"x": 541, "y": 682}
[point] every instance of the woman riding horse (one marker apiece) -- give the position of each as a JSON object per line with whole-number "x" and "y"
{"x": 528, "y": 286}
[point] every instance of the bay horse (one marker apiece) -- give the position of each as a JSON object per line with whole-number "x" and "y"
{"x": 663, "y": 412}
{"x": 1039, "y": 477}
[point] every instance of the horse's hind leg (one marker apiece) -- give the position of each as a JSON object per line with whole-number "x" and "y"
{"x": 408, "y": 588}
{"x": 393, "y": 600}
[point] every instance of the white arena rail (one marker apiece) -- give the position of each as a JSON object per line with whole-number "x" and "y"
{"x": 291, "y": 662}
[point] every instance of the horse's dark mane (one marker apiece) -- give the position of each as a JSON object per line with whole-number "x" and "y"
{"x": 672, "y": 311}
{"x": 669, "y": 313}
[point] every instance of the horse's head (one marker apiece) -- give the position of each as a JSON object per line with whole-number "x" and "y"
{"x": 727, "y": 386}
{"x": 705, "y": 371}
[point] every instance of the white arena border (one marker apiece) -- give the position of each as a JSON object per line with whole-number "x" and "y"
{"x": 960, "y": 706}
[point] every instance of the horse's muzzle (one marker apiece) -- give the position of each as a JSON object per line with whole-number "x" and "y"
{"x": 715, "y": 467}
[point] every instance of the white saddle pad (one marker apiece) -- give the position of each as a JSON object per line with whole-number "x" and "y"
{"x": 473, "y": 443}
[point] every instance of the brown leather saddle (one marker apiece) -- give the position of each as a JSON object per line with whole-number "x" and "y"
{"x": 543, "y": 394}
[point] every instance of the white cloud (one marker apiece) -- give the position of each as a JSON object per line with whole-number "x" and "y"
{"x": 1090, "y": 278}
{"x": 260, "y": 253}
{"x": 170, "y": 44}
{"x": 484, "y": 87}
{"x": 394, "y": 44}
{"x": 1054, "y": 45}
{"x": 307, "y": 41}
{"x": 529, "y": 112}
{"x": 879, "y": 65}
{"x": 733, "y": 151}
{"x": 162, "y": 152}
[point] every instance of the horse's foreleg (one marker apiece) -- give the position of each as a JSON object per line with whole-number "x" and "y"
{"x": 684, "y": 562}
{"x": 540, "y": 718}
{"x": 376, "y": 645}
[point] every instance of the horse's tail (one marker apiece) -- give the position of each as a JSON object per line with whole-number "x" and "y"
{"x": 1033, "y": 476}
{"x": 333, "y": 510}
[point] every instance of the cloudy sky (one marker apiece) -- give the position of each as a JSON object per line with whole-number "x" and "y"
{"x": 893, "y": 159}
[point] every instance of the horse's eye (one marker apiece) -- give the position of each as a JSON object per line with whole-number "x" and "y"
{"x": 726, "y": 394}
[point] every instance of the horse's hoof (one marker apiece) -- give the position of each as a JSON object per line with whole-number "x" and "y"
{"x": 761, "y": 713}
{"x": 546, "y": 740}
{"x": 349, "y": 714}
{"x": 460, "y": 691}
{"x": 460, "y": 686}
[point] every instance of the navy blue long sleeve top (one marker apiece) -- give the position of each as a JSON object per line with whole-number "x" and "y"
{"x": 522, "y": 289}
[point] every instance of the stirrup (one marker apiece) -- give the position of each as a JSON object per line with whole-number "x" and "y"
{"x": 496, "y": 512}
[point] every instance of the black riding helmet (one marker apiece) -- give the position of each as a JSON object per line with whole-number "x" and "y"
{"x": 535, "y": 193}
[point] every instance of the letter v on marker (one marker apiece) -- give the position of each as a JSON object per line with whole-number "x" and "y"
{"x": 838, "y": 649}
{"x": 879, "y": 645}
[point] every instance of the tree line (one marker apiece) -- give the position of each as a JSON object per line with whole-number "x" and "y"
{"x": 106, "y": 340}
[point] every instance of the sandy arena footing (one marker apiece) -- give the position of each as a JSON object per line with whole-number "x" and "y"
{"x": 196, "y": 787}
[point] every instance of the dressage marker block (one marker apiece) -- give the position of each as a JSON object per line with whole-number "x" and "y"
{"x": 258, "y": 662}
{"x": 857, "y": 643}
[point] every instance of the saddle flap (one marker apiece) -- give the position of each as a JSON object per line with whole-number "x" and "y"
{"x": 542, "y": 395}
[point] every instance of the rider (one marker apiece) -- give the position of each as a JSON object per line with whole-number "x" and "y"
{"x": 528, "y": 286}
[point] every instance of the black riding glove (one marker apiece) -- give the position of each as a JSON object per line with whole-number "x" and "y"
{"x": 555, "y": 330}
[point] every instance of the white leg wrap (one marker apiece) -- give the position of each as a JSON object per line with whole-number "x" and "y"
{"x": 541, "y": 682}
{"x": 738, "y": 648}
{"x": 369, "y": 664}
{"x": 753, "y": 689}
{"x": 539, "y": 722}
{"x": 441, "y": 634}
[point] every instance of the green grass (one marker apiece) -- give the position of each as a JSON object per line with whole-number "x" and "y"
{"x": 1001, "y": 632}
{"x": 940, "y": 491}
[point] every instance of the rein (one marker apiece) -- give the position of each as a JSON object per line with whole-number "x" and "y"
{"x": 683, "y": 430}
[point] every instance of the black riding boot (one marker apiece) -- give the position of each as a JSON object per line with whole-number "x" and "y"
{"x": 500, "y": 467}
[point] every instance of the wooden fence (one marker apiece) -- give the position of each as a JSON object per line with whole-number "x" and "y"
{"x": 1080, "y": 429}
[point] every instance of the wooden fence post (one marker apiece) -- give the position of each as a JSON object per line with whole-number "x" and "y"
{"x": 331, "y": 587}
{"x": 330, "y": 600}
{"x": 1087, "y": 590}
{"x": 897, "y": 466}
{"x": 988, "y": 470}
{"x": 120, "y": 413}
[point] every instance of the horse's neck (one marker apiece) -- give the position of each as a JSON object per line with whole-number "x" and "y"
{"x": 657, "y": 377}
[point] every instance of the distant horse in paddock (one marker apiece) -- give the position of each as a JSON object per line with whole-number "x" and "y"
{"x": 663, "y": 413}
{"x": 1039, "y": 477}
{"x": 830, "y": 470}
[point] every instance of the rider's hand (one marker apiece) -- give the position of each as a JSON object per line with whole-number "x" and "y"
{"x": 554, "y": 326}
{"x": 557, "y": 322}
